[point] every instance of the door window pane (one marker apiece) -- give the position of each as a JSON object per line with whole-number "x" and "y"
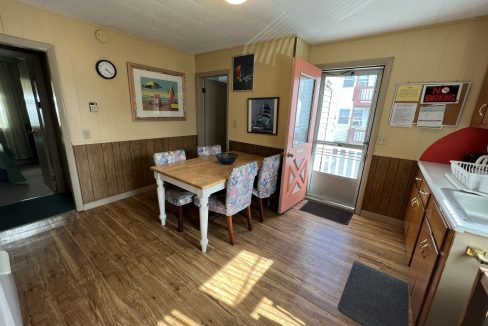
{"x": 304, "y": 110}
{"x": 346, "y": 110}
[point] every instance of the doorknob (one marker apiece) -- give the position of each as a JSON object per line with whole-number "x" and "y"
{"x": 289, "y": 154}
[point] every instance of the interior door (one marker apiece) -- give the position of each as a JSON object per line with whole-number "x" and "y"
{"x": 298, "y": 147}
{"x": 347, "y": 108}
{"x": 38, "y": 129}
{"x": 215, "y": 115}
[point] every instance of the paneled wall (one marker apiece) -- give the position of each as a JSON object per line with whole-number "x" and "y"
{"x": 253, "y": 149}
{"x": 108, "y": 169}
{"x": 388, "y": 185}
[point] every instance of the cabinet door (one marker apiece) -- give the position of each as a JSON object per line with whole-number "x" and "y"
{"x": 409, "y": 210}
{"x": 415, "y": 223}
{"x": 480, "y": 117}
{"x": 421, "y": 269}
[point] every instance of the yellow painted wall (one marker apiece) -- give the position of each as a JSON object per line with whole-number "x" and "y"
{"x": 272, "y": 77}
{"x": 457, "y": 51}
{"x": 77, "y": 51}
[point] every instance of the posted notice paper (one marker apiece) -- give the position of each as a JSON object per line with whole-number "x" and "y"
{"x": 402, "y": 114}
{"x": 431, "y": 116}
{"x": 408, "y": 93}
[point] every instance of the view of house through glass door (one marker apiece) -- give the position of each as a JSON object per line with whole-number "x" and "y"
{"x": 347, "y": 106}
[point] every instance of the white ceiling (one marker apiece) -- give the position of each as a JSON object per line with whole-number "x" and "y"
{"x": 198, "y": 26}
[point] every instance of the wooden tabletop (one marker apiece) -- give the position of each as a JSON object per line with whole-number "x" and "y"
{"x": 204, "y": 172}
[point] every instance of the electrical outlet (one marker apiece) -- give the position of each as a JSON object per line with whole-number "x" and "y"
{"x": 86, "y": 134}
{"x": 93, "y": 106}
{"x": 381, "y": 140}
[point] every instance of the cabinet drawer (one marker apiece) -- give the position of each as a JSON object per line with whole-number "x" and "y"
{"x": 437, "y": 223}
{"x": 418, "y": 179}
{"x": 424, "y": 193}
{"x": 423, "y": 265}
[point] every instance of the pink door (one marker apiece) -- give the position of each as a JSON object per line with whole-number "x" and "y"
{"x": 298, "y": 147}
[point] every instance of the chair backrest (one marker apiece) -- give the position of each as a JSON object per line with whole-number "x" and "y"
{"x": 209, "y": 150}
{"x": 169, "y": 157}
{"x": 239, "y": 187}
{"x": 268, "y": 176}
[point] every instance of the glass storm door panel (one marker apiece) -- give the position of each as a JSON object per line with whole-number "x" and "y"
{"x": 298, "y": 148}
{"x": 347, "y": 106}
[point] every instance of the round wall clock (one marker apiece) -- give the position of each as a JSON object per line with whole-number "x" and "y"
{"x": 106, "y": 69}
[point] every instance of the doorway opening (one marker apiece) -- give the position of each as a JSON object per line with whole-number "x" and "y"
{"x": 33, "y": 163}
{"x": 212, "y": 117}
{"x": 348, "y": 101}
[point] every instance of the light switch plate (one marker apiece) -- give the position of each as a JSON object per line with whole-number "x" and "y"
{"x": 86, "y": 134}
{"x": 381, "y": 140}
{"x": 93, "y": 106}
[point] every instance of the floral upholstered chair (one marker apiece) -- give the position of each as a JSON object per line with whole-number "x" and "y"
{"x": 236, "y": 197}
{"x": 209, "y": 150}
{"x": 173, "y": 194}
{"x": 267, "y": 179}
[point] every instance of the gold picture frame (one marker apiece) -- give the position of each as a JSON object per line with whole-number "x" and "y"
{"x": 156, "y": 94}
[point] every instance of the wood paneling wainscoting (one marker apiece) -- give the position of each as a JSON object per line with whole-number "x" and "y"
{"x": 388, "y": 186}
{"x": 253, "y": 149}
{"x": 109, "y": 169}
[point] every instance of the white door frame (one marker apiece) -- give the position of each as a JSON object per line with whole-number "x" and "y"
{"x": 388, "y": 64}
{"x": 199, "y": 77}
{"x": 54, "y": 72}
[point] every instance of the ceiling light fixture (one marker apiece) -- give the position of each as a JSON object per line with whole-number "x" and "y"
{"x": 236, "y": 2}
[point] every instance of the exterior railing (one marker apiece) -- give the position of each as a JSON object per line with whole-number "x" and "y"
{"x": 356, "y": 136}
{"x": 363, "y": 95}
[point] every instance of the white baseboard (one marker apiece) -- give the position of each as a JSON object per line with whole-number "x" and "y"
{"x": 118, "y": 197}
{"x": 382, "y": 218}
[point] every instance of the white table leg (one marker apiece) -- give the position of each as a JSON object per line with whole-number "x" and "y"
{"x": 161, "y": 200}
{"x": 203, "y": 222}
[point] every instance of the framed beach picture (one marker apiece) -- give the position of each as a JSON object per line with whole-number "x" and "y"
{"x": 243, "y": 76}
{"x": 156, "y": 94}
{"x": 262, "y": 115}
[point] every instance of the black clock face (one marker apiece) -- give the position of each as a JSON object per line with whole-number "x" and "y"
{"x": 106, "y": 69}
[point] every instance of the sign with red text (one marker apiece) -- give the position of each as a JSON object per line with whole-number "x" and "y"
{"x": 441, "y": 93}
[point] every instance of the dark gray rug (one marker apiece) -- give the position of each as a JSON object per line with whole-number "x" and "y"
{"x": 328, "y": 212}
{"x": 373, "y": 298}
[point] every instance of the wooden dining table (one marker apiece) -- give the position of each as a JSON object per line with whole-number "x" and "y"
{"x": 202, "y": 176}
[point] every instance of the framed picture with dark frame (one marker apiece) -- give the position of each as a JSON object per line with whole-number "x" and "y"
{"x": 243, "y": 73}
{"x": 156, "y": 94}
{"x": 262, "y": 115}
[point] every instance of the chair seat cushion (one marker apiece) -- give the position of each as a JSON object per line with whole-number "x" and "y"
{"x": 216, "y": 203}
{"x": 178, "y": 196}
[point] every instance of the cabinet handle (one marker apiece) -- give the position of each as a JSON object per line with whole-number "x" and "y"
{"x": 418, "y": 178}
{"x": 423, "y": 242}
{"x": 481, "y": 108}
{"x": 414, "y": 201}
{"x": 423, "y": 193}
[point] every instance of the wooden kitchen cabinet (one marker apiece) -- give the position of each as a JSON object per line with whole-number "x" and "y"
{"x": 416, "y": 213}
{"x": 480, "y": 115}
{"x": 424, "y": 261}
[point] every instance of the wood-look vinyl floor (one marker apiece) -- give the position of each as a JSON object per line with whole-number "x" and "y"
{"x": 116, "y": 265}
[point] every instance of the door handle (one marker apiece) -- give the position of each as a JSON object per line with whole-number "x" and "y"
{"x": 289, "y": 155}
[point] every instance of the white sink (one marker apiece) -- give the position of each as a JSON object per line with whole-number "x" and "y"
{"x": 470, "y": 207}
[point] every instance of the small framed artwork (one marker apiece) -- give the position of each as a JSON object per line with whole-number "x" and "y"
{"x": 262, "y": 115}
{"x": 156, "y": 94}
{"x": 243, "y": 76}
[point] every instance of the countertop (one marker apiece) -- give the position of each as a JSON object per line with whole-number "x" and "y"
{"x": 434, "y": 175}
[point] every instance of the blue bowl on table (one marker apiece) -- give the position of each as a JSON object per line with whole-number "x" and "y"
{"x": 226, "y": 157}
